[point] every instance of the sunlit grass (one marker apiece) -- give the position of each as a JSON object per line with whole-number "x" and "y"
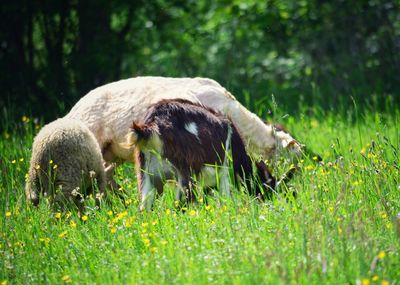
{"x": 339, "y": 229}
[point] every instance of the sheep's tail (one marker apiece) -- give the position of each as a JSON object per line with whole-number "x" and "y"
{"x": 138, "y": 134}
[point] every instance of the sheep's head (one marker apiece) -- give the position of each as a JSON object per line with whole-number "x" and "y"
{"x": 270, "y": 182}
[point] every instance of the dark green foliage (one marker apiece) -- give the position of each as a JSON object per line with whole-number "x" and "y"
{"x": 56, "y": 51}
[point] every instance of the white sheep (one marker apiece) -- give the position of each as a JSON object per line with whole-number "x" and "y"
{"x": 110, "y": 109}
{"x": 66, "y": 160}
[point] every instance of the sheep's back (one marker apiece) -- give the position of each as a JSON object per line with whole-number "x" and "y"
{"x": 109, "y": 110}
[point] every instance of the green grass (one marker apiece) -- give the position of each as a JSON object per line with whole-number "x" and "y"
{"x": 340, "y": 229}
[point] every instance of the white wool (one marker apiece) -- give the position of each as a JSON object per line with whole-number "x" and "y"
{"x": 192, "y": 128}
{"x": 109, "y": 111}
{"x": 69, "y": 150}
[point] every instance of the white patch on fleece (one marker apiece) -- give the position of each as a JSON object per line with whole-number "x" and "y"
{"x": 192, "y": 128}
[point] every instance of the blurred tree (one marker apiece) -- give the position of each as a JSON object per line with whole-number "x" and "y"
{"x": 53, "y": 52}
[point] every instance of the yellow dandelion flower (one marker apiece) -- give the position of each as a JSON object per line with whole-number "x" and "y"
{"x": 72, "y": 224}
{"x": 309, "y": 167}
{"x": 57, "y": 215}
{"x": 4, "y": 282}
{"x": 145, "y": 225}
{"x": 375, "y": 278}
{"x": 113, "y": 230}
{"x": 146, "y": 242}
{"x": 37, "y": 166}
{"x": 55, "y": 166}
{"x": 13, "y": 161}
{"x": 66, "y": 279}
{"x": 25, "y": 119}
{"x": 364, "y": 281}
{"x": 110, "y": 213}
{"x": 129, "y": 222}
{"x": 383, "y": 215}
{"x": 212, "y": 222}
{"x": 51, "y": 161}
{"x": 385, "y": 282}
{"x": 167, "y": 211}
{"x": 63, "y": 234}
{"x": 8, "y": 214}
{"x": 315, "y": 158}
{"x": 19, "y": 243}
{"x": 243, "y": 210}
{"x": 45, "y": 240}
{"x": 153, "y": 249}
{"x": 192, "y": 213}
{"x": 84, "y": 218}
{"x": 122, "y": 214}
{"x": 362, "y": 151}
{"x": 381, "y": 254}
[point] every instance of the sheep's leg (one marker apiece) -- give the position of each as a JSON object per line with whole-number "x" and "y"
{"x": 223, "y": 177}
{"x": 109, "y": 169}
{"x": 145, "y": 180}
{"x": 102, "y": 183}
{"x": 184, "y": 192}
{"x": 147, "y": 192}
{"x": 110, "y": 164}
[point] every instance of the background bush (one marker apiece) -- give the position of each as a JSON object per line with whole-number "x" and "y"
{"x": 53, "y": 52}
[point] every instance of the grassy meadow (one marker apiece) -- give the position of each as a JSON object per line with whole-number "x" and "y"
{"x": 341, "y": 227}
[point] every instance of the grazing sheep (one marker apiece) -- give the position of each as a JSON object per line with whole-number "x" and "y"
{"x": 66, "y": 160}
{"x": 109, "y": 110}
{"x": 193, "y": 140}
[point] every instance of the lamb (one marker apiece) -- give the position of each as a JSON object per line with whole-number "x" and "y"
{"x": 109, "y": 110}
{"x": 191, "y": 140}
{"x": 66, "y": 160}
